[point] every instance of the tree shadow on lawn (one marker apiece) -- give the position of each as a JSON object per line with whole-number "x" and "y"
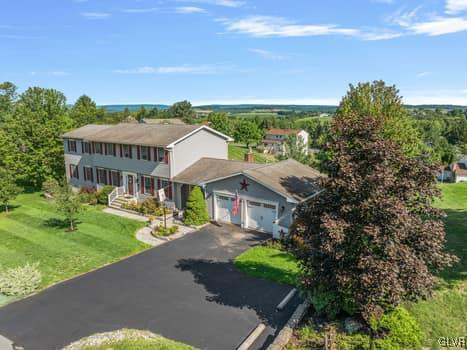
{"x": 11, "y": 207}
{"x": 456, "y": 235}
{"x": 61, "y": 223}
{"x": 228, "y": 286}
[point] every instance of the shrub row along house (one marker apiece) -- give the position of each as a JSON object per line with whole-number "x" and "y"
{"x": 140, "y": 159}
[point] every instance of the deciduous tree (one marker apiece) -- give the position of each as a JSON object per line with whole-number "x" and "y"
{"x": 85, "y": 111}
{"x": 372, "y": 239}
{"x": 221, "y": 122}
{"x": 247, "y": 132}
{"x": 33, "y": 134}
{"x": 8, "y": 188}
{"x": 383, "y": 102}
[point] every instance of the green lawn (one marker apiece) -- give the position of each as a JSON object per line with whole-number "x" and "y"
{"x": 128, "y": 339}
{"x": 442, "y": 315}
{"x": 237, "y": 152}
{"x": 268, "y": 263}
{"x": 140, "y": 344}
{"x": 33, "y": 232}
{"x": 446, "y": 312}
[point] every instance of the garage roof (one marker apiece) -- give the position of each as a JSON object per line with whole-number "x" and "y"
{"x": 289, "y": 178}
{"x": 207, "y": 169}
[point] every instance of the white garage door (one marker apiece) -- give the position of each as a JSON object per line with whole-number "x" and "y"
{"x": 224, "y": 206}
{"x": 261, "y": 216}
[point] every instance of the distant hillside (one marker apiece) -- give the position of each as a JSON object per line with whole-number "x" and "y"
{"x": 132, "y": 107}
{"x": 271, "y": 108}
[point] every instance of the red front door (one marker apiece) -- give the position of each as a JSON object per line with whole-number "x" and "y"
{"x": 131, "y": 190}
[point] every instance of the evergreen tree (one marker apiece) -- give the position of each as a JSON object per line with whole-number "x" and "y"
{"x": 196, "y": 212}
{"x": 8, "y": 188}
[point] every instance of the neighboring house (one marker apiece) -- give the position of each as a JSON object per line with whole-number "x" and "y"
{"x": 140, "y": 159}
{"x": 459, "y": 170}
{"x": 275, "y": 140}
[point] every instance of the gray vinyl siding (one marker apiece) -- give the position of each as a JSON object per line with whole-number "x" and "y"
{"x": 201, "y": 144}
{"x": 255, "y": 190}
{"x": 143, "y": 167}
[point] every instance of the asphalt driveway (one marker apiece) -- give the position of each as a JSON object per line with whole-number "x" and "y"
{"x": 187, "y": 290}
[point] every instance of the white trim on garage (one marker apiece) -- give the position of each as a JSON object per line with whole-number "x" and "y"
{"x": 244, "y": 199}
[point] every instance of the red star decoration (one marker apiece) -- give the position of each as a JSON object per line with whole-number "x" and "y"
{"x": 244, "y": 185}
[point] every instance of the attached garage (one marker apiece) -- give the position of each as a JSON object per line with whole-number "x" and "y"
{"x": 267, "y": 193}
{"x": 224, "y": 209}
{"x": 261, "y": 216}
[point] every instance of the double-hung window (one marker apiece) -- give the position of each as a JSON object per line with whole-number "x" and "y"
{"x": 74, "y": 172}
{"x": 145, "y": 153}
{"x": 86, "y": 147}
{"x": 115, "y": 178}
{"x": 160, "y": 154}
{"x": 88, "y": 174}
{"x": 110, "y": 149}
{"x": 98, "y": 147}
{"x": 72, "y": 146}
{"x": 101, "y": 176}
{"x": 126, "y": 151}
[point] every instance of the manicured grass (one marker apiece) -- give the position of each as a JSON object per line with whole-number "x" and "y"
{"x": 34, "y": 232}
{"x": 268, "y": 263}
{"x": 446, "y": 312}
{"x": 162, "y": 344}
{"x": 127, "y": 339}
{"x": 237, "y": 152}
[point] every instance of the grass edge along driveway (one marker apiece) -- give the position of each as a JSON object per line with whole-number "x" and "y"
{"x": 34, "y": 232}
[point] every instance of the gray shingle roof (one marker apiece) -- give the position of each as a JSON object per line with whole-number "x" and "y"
{"x": 126, "y": 133}
{"x": 207, "y": 169}
{"x": 289, "y": 177}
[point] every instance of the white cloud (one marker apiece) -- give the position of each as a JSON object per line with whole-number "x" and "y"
{"x": 456, "y": 6}
{"x": 181, "y": 69}
{"x": 58, "y": 73}
{"x": 95, "y": 15}
{"x": 267, "y": 54}
{"x": 439, "y": 26}
{"x": 387, "y": 2}
{"x": 189, "y": 10}
{"x": 141, "y": 10}
{"x": 225, "y": 3}
{"x": 269, "y": 26}
{"x": 422, "y": 74}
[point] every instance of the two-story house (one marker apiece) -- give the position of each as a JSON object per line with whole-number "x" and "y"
{"x": 275, "y": 140}
{"x": 140, "y": 159}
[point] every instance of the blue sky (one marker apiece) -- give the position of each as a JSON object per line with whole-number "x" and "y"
{"x": 235, "y": 51}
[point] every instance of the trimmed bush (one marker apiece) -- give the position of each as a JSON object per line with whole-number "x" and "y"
{"x": 88, "y": 195}
{"x": 150, "y": 206}
{"x": 398, "y": 330}
{"x": 162, "y": 231}
{"x": 196, "y": 212}
{"x": 102, "y": 195}
{"x": 21, "y": 280}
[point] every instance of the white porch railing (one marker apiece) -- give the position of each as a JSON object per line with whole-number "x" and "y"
{"x": 117, "y": 192}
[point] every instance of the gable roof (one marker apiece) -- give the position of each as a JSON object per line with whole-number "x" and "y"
{"x": 285, "y": 132}
{"x": 207, "y": 169}
{"x": 289, "y": 178}
{"x": 138, "y": 134}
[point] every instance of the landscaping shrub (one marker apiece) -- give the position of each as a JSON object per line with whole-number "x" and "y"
{"x": 21, "y": 280}
{"x": 162, "y": 231}
{"x": 397, "y": 329}
{"x": 102, "y": 195}
{"x": 88, "y": 195}
{"x": 196, "y": 212}
{"x": 150, "y": 206}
